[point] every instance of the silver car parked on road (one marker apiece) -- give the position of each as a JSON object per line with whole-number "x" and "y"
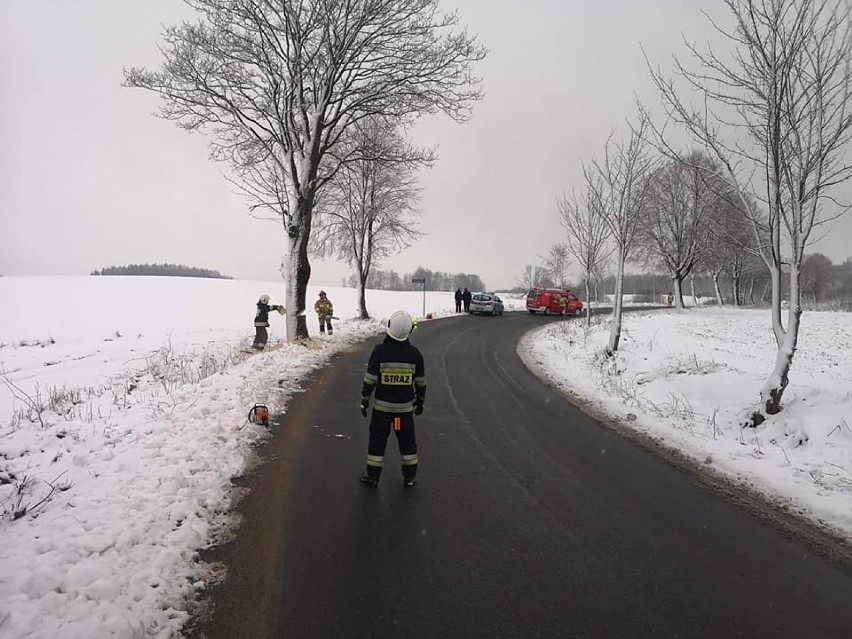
{"x": 487, "y": 303}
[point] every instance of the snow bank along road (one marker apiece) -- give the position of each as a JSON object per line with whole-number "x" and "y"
{"x": 529, "y": 520}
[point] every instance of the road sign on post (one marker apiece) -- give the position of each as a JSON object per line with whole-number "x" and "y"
{"x": 421, "y": 280}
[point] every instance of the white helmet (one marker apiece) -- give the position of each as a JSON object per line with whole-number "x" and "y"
{"x": 264, "y": 299}
{"x": 400, "y": 325}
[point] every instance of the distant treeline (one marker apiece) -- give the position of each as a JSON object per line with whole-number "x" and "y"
{"x": 164, "y": 270}
{"x": 825, "y": 285}
{"x": 435, "y": 281}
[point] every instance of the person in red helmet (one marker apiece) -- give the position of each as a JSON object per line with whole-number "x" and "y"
{"x": 324, "y": 310}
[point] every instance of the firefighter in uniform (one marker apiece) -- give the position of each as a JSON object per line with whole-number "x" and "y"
{"x": 324, "y": 310}
{"x": 396, "y": 378}
{"x": 261, "y": 321}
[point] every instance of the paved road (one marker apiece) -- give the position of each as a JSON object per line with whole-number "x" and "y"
{"x": 530, "y": 520}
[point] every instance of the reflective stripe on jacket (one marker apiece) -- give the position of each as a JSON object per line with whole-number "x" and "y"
{"x": 261, "y": 316}
{"x": 324, "y": 308}
{"x": 397, "y": 375}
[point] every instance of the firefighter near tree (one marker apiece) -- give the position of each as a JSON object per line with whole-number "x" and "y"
{"x": 261, "y": 321}
{"x": 396, "y": 380}
{"x": 325, "y": 312}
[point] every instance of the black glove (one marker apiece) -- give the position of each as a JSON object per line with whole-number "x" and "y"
{"x": 364, "y": 406}
{"x": 418, "y": 407}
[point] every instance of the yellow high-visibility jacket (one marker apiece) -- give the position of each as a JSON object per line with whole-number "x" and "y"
{"x": 324, "y": 308}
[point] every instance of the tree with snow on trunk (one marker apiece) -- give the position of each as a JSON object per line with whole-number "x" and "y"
{"x": 278, "y": 84}
{"x": 778, "y": 118}
{"x": 367, "y": 212}
{"x": 620, "y": 186}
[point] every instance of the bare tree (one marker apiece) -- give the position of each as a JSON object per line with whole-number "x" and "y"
{"x": 587, "y": 236}
{"x": 754, "y": 271}
{"x": 621, "y": 185}
{"x": 744, "y": 263}
{"x": 680, "y": 207}
{"x": 532, "y": 277}
{"x": 816, "y": 275}
{"x": 279, "y": 83}
{"x": 730, "y": 246}
{"x": 778, "y": 117}
{"x": 367, "y": 212}
{"x": 556, "y": 263}
{"x": 714, "y": 261}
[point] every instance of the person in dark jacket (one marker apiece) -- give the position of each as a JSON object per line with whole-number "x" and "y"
{"x": 396, "y": 378}
{"x": 261, "y": 321}
{"x": 466, "y": 297}
{"x": 458, "y": 300}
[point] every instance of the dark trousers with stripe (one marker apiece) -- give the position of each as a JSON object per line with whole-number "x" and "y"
{"x": 402, "y": 424}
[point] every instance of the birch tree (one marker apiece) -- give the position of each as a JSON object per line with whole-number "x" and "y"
{"x": 586, "y": 235}
{"x": 368, "y": 211}
{"x": 277, "y": 83}
{"x": 621, "y": 182}
{"x": 778, "y": 118}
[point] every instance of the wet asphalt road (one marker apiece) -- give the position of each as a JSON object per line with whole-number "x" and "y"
{"x": 530, "y": 520}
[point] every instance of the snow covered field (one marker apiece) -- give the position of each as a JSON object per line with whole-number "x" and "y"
{"x": 122, "y": 421}
{"x": 123, "y": 418}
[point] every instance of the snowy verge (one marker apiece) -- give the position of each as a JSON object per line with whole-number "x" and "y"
{"x": 683, "y": 379}
{"x": 106, "y": 505}
{"x": 123, "y": 419}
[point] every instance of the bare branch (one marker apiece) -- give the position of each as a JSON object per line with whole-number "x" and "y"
{"x": 279, "y": 83}
{"x": 777, "y": 117}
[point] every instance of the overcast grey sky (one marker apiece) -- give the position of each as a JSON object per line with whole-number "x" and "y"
{"x": 88, "y": 178}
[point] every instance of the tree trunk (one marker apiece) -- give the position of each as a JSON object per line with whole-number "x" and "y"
{"x": 615, "y": 326}
{"x": 362, "y": 297}
{"x": 298, "y": 268}
{"x": 677, "y": 283}
{"x": 775, "y": 280}
{"x": 588, "y": 304}
{"x": 719, "y": 300}
{"x": 751, "y": 291}
{"x": 692, "y": 285}
{"x": 773, "y": 388}
{"x": 735, "y": 284}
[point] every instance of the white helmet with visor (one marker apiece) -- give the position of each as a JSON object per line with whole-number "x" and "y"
{"x": 400, "y": 325}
